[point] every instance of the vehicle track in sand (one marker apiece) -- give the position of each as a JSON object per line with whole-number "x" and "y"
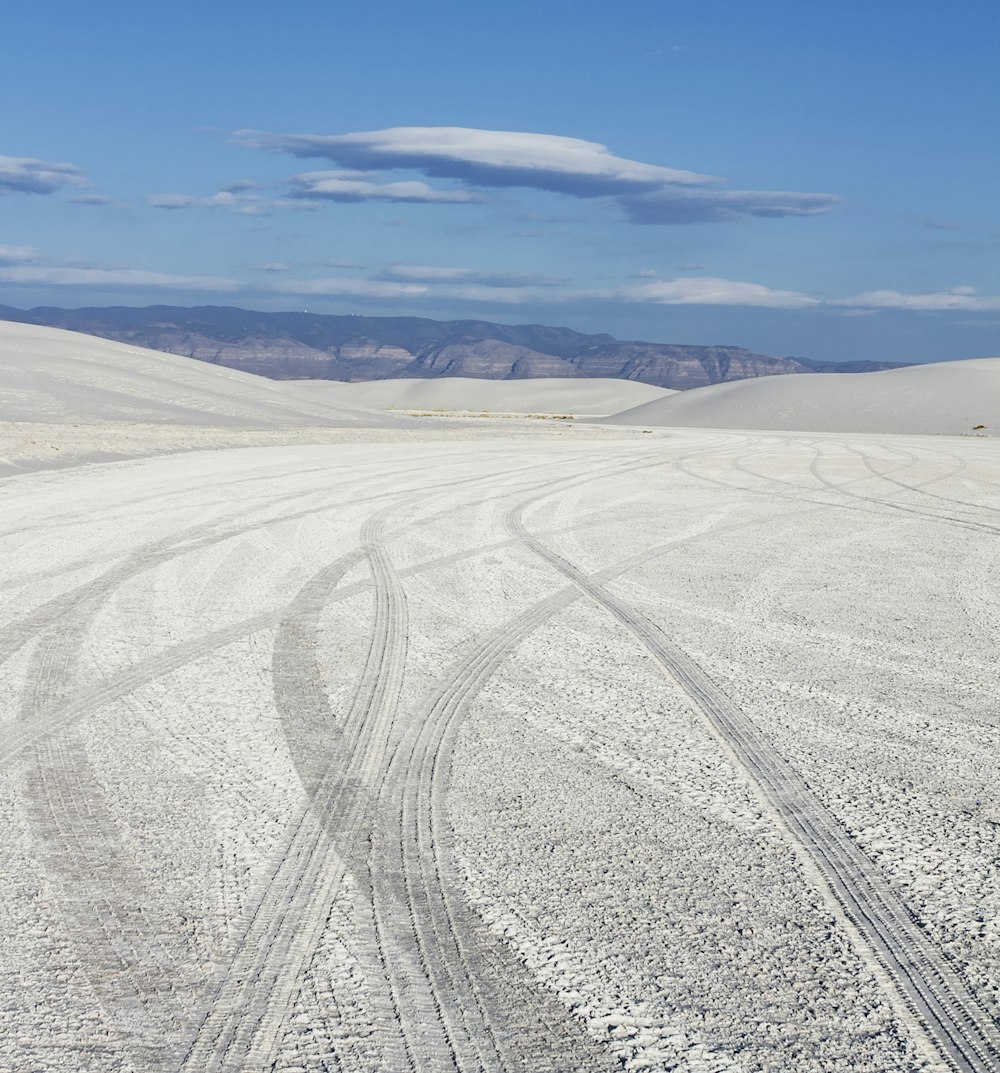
{"x": 426, "y": 1032}
{"x": 250, "y": 1002}
{"x": 138, "y": 963}
{"x": 68, "y": 797}
{"x": 447, "y": 952}
{"x": 957, "y": 1028}
{"x": 195, "y": 537}
{"x": 483, "y": 1010}
{"x": 866, "y": 504}
{"x": 41, "y": 721}
{"x": 890, "y": 477}
{"x": 139, "y": 967}
{"x": 891, "y": 505}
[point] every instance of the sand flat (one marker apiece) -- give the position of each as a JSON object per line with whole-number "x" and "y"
{"x": 534, "y": 746}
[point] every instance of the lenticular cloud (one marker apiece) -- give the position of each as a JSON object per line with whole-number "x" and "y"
{"x": 648, "y": 193}
{"x": 483, "y": 158}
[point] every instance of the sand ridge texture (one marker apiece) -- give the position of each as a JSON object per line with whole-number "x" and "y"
{"x": 944, "y": 398}
{"x": 501, "y": 746}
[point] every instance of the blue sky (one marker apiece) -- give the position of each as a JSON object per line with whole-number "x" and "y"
{"x": 800, "y": 178}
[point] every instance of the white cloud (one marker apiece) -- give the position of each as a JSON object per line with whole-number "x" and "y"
{"x": 17, "y": 254}
{"x": 482, "y": 158}
{"x": 648, "y": 193}
{"x": 712, "y": 291}
{"x": 347, "y": 186}
{"x": 684, "y": 206}
{"x": 94, "y": 199}
{"x": 353, "y": 288}
{"x": 60, "y": 275}
{"x": 469, "y": 285}
{"x": 437, "y": 274}
{"x": 27, "y": 175}
{"x": 224, "y": 199}
{"x": 959, "y": 298}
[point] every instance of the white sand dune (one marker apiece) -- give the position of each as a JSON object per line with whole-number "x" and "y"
{"x": 55, "y": 376}
{"x": 947, "y": 398}
{"x": 460, "y": 394}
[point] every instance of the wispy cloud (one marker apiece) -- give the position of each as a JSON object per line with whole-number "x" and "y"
{"x": 468, "y": 285}
{"x": 437, "y": 274}
{"x": 27, "y": 175}
{"x": 17, "y": 254}
{"x": 350, "y": 288}
{"x": 352, "y": 187}
{"x": 648, "y": 193}
{"x": 243, "y": 196}
{"x": 98, "y": 200}
{"x": 958, "y": 298}
{"x": 188, "y": 201}
{"x": 684, "y": 206}
{"x": 711, "y": 291}
{"x": 67, "y": 276}
{"x": 438, "y": 286}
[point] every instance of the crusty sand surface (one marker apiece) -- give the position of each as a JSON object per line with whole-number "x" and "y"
{"x": 496, "y": 745}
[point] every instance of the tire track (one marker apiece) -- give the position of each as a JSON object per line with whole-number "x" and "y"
{"x": 920, "y": 488}
{"x": 958, "y": 1028}
{"x": 45, "y": 721}
{"x": 887, "y": 504}
{"x": 141, "y": 971}
{"x": 243, "y": 1025}
{"x": 66, "y": 800}
{"x": 373, "y": 684}
{"x": 428, "y": 1041}
{"x": 485, "y": 1011}
{"x": 843, "y": 488}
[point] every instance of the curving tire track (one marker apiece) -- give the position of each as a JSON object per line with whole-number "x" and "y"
{"x": 889, "y": 477}
{"x": 489, "y": 1016}
{"x": 251, "y": 1000}
{"x": 891, "y": 505}
{"x": 141, "y": 971}
{"x": 958, "y": 1028}
{"x": 480, "y": 1010}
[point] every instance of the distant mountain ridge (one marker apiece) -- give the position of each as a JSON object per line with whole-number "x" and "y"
{"x": 316, "y": 346}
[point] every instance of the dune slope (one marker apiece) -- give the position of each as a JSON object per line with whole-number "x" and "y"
{"x": 947, "y": 398}
{"x": 55, "y": 376}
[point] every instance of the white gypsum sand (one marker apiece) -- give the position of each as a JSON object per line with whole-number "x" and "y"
{"x": 947, "y": 398}
{"x": 576, "y": 397}
{"x": 498, "y": 746}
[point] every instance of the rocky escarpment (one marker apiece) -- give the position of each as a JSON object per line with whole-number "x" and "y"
{"x": 309, "y": 346}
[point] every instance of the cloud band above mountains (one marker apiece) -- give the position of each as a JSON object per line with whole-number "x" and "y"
{"x": 483, "y": 159}
{"x": 26, "y": 266}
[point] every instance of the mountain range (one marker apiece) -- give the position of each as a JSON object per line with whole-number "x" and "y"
{"x": 314, "y": 346}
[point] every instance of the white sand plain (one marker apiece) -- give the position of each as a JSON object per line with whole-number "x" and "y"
{"x": 499, "y": 746}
